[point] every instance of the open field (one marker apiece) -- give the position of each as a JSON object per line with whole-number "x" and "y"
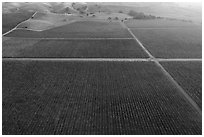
{"x": 92, "y": 98}
{"x": 16, "y": 47}
{"x": 10, "y": 20}
{"x": 85, "y": 29}
{"x": 189, "y": 76}
{"x": 158, "y": 23}
{"x": 172, "y": 43}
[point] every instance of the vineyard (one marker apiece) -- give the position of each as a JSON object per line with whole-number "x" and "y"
{"x": 74, "y": 48}
{"x": 99, "y": 77}
{"x": 173, "y": 42}
{"x": 92, "y": 98}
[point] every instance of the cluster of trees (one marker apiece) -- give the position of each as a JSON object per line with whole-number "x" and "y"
{"x": 140, "y": 15}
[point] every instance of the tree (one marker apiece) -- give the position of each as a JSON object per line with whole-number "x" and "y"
{"x": 116, "y": 18}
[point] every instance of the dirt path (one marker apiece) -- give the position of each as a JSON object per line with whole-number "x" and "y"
{"x": 74, "y": 38}
{"x": 29, "y": 29}
{"x": 19, "y": 24}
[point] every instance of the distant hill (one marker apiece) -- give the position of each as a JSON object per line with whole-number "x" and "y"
{"x": 187, "y": 11}
{"x": 53, "y": 7}
{"x": 183, "y": 11}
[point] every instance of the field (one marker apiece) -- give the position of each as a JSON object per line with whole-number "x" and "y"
{"x": 189, "y": 76}
{"x": 45, "y": 21}
{"x": 172, "y": 43}
{"x": 10, "y": 20}
{"x": 72, "y": 48}
{"x": 159, "y": 23}
{"x": 85, "y": 29}
{"x": 92, "y": 98}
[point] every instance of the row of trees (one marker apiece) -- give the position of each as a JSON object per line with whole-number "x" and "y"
{"x": 139, "y": 15}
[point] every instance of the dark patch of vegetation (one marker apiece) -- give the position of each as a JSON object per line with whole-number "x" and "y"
{"x": 116, "y": 18}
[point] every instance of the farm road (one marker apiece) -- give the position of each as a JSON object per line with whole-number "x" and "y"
{"x": 149, "y": 54}
{"x": 160, "y": 28}
{"x": 101, "y": 59}
{"x": 178, "y": 59}
{"x": 79, "y": 59}
{"x": 182, "y": 91}
{"x": 75, "y": 38}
